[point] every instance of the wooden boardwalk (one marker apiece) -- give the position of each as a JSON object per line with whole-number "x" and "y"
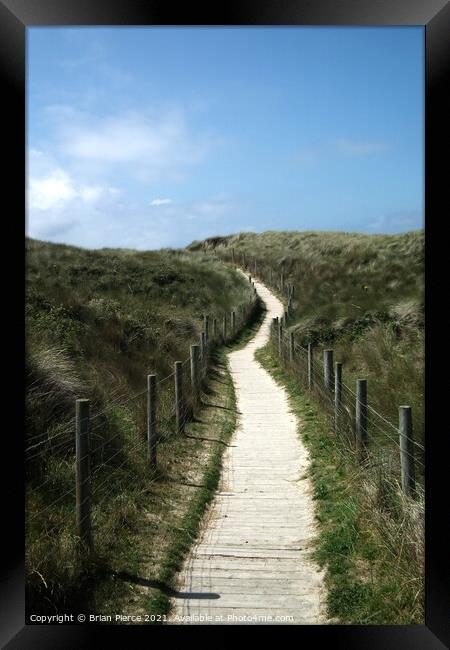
{"x": 251, "y": 561}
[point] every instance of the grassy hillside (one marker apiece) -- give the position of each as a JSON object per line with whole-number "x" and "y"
{"x": 362, "y": 295}
{"x": 97, "y": 322}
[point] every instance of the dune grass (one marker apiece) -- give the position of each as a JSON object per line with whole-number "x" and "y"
{"x": 97, "y": 322}
{"x": 373, "y": 556}
{"x": 362, "y": 295}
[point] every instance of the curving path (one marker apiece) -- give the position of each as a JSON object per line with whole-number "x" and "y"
{"x": 251, "y": 560}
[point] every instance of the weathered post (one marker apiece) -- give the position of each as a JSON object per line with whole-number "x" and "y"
{"x": 256, "y": 268}
{"x": 310, "y": 366}
{"x": 250, "y": 279}
{"x": 233, "y": 321}
{"x": 224, "y": 328}
{"x": 292, "y": 291}
{"x": 282, "y": 281}
{"x": 280, "y": 340}
{"x": 271, "y": 275}
{"x": 232, "y": 256}
{"x": 407, "y": 451}
{"x": 215, "y": 327}
{"x": 195, "y": 380}
{"x": 286, "y": 317}
{"x": 337, "y": 394}
{"x": 243, "y": 260}
{"x": 202, "y": 346}
{"x": 151, "y": 420}
{"x": 291, "y": 347}
{"x": 206, "y": 326}
{"x": 361, "y": 417}
{"x": 83, "y": 487}
{"x": 179, "y": 396}
{"x": 328, "y": 369}
{"x": 274, "y": 326}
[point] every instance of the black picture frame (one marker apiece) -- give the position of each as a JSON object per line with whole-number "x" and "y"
{"x": 15, "y": 17}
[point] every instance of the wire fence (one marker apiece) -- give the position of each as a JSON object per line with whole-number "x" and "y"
{"x": 124, "y": 447}
{"x": 382, "y": 457}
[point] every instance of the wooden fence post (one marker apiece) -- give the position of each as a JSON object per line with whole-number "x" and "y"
{"x": 282, "y": 281}
{"x": 83, "y": 479}
{"x": 206, "y": 327}
{"x": 361, "y": 417}
{"x": 274, "y": 325}
{"x": 271, "y": 275}
{"x": 151, "y": 420}
{"x": 280, "y": 340}
{"x": 224, "y": 328}
{"x": 310, "y": 366}
{"x": 195, "y": 379}
{"x": 407, "y": 451}
{"x": 328, "y": 369}
{"x": 291, "y": 347}
{"x": 215, "y": 327}
{"x": 337, "y": 394}
{"x": 233, "y": 321}
{"x": 232, "y": 256}
{"x": 179, "y": 396}
{"x": 203, "y": 347}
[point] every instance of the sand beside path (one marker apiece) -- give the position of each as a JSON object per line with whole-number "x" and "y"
{"x": 251, "y": 561}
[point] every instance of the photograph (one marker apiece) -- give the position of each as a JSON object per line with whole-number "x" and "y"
{"x": 224, "y": 325}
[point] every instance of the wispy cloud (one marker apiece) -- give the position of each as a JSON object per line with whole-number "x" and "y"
{"x": 81, "y": 178}
{"x": 61, "y": 206}
{"x": 146, "y": 145}
{"x": 161, "y": 201}
{"x": 399, "y": 221}
{"x": 360, "y": 147}
{"x": 309, "y": 156}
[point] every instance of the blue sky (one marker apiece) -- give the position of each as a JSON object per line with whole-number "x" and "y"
{"x": 153, "y": 137}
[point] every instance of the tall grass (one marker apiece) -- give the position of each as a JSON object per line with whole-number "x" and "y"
{"x": 362, "y": 295}
{"x": 97, "y": 322}
{"x": 371, "y": 534}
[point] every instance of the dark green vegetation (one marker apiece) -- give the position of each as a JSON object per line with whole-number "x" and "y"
{"x": 374, "y": 564}
{"x": 362, "y": 295}
{"x": 97, "y": 323}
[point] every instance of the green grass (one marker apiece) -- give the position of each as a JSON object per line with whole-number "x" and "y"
{"x": 142, "y": 582}
{"x": 97, "y": 322}
{"x": 368, "y": 581}
{"x": 362, "y": 295}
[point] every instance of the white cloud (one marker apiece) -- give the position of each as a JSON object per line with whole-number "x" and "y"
{"x": 161, "y": 202}
{"x": 58, "y": 188}
{"x": 59, "y": 201}
{"x": 50, "y": 191}
{"x": 147, "y": 146}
